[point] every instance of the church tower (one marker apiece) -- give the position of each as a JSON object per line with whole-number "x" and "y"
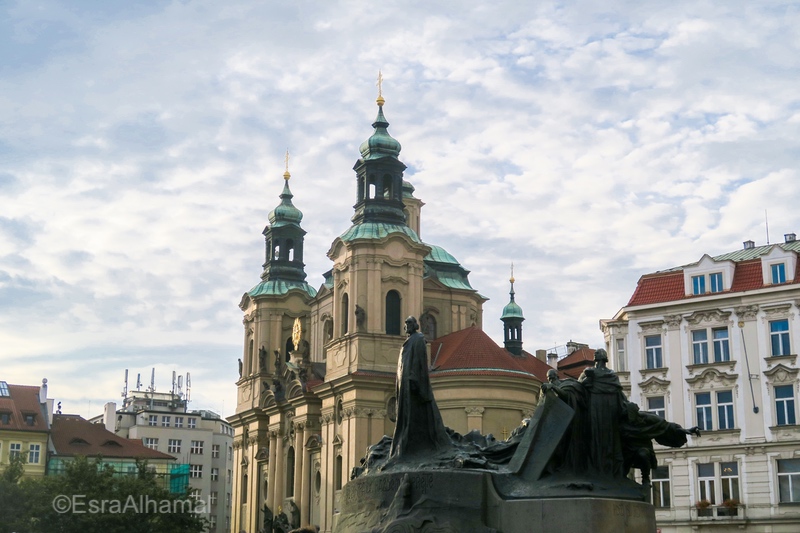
{"x": 512, "y": 322}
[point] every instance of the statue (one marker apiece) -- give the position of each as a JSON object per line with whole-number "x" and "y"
{"x": 419, "y": 428}
{"x": 361, "y": 317}
{"x": 571, "y": 454}
{"x": 262, "y": 358}
{"x": 267, "y": 525}
{"x": 240, "y": 368}
{"x": 606, "y": 407}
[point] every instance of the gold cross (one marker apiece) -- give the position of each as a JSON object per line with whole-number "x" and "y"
{"x": 512, "y": 273}
{"x": 286, "y": 174}
{"x": 505, "y": 433}
{"x": 380, "y": 84}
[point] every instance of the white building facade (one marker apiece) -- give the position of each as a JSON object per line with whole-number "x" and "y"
{"x": 200, "y": 439}
{"x": 714, "y": 345}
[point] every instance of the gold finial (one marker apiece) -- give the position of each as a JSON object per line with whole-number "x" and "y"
{"x": 380, "y": 99}
{"x": 286, "y": 174}
{"x": 512, "y": 273}
{"x": 297, "y": 333}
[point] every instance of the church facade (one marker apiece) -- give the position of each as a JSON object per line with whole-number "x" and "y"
{"x": 317, "y": 372}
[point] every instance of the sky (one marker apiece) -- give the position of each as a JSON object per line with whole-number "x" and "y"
{"x": 588, "y": 143}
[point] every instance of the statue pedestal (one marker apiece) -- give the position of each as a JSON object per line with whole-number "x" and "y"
{"x": 451, "y": 501}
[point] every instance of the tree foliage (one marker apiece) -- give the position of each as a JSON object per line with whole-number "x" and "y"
{"x": 91, "y": 498}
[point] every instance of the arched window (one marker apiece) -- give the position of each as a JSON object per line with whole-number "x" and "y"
{"x": 388, "y": 193}
{"x": 245, "y": 488}
{"x": 345, "y": 313}
{"x": 427, "y": 325}
{"x": 393, "y": 318}
{"x": 337, "y": 473}
{"x": 289, "y": 349}
{"x": 290, "y": 472}
{"x": 269, "y": 250}
{"x": 250, "y": 353}
{"x": 290, "y": 249}
{"x": 276, "y": 249}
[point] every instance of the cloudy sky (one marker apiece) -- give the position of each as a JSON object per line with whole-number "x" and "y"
{"x": 142, "y": 144}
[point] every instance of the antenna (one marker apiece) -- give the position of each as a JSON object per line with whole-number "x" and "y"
{"x": 125, "y": 390}
{"x": 153, "y": 380}
{"x": 173, "y": 382}
{"x": 188, "y": 387}
{"x": 766, "y": 224}
{"x": 180, "y": 386}
{"x": 138, "y": 382}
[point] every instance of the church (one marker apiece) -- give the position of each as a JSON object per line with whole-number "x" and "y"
{"x": 317, "y": 374}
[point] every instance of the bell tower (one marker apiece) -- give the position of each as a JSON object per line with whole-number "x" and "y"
{"x": 512, "y": 322}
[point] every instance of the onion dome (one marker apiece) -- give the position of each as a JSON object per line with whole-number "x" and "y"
{"x": 286, "y": 212}
{"x": 380, "y": 144}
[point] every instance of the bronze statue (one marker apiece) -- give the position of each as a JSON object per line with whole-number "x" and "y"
{"x": 419, "y": 428}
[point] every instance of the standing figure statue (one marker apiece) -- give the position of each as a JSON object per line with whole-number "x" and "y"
{"x": 419, "y": 428}
{"x": 570, "y": 457}
{"x": 606, "y": 410}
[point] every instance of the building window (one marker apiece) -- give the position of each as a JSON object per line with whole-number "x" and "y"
{"x": 197, "y": 447}
{"x": 215, "y": 451}
{"x": 212, "y": 497}
{"x": 192, "y": 423}
{"x": 152, "y": 420}
{"x": 30, "y": 420}
{"x": 245, "y": 488}
{"x": 778, "y": 273}
{"x": 725, "y": 409}
{"x": 703, "y": 406}
{"x": 707, "y": 481}
{"x": 779, "y": 337}
{"x": 722, "y": 350}
{"x": 655, "y": 405}
{"x": 345, "y": 313}
{"x": 652, "y": 350}
{"x": 230, "y": 476}
{"x": 151, "y": 443}
{"x": 716, "y": 282}
{"x": 228, "y": 499}
{"x": 698, "y": 284}
{"x": 393, "y": 318}
{"x": 619, "y": 345}
{"x": 178, "y": 421}
{"x": 174, "y": 446}
{"x": 14, "y": 450}
{"x": 784, "y": 405}
{"x": 214, "y": 474}
{"x": 196, "y": 471}
{"x": 5, "y": 418}
{"x": 212, "y": 522}
{"x": 700, "y": 346}
{"x": 661, "y": 492}
{"x": 290, "y": 472}
{"x": 337, "y": 473}
{"x": 165, "y": 421}
{"x": 729, "y": 475}
{"x": 789, "y": 480}
{"x": 33, "y": 454}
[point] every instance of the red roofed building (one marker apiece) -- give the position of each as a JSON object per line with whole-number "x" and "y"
{"x": 713, "y": 344}
{"x": 25, "y": 413}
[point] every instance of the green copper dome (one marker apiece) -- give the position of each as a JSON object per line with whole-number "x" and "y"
{"x": 512, "y": 309}
{"x": 286, "y": 212}
{"x": 380, "y": 144}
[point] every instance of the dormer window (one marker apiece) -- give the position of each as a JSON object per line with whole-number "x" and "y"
{"x": 698, "y": 284}
{"x": 5, "y": 418}
{"x": 716, "y": 282}
{"x": 30, "y": 420}
{"x": 778, "y": 271}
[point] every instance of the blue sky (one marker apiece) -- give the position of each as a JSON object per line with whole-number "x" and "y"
{"x": 141, "y": 149}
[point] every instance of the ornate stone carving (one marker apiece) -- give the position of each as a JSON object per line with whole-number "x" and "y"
{"x": 781, "y": 373}
{"x": 746, "y": 312}
{"x": 776, "y": 311}
{"x": 654, "y": 385}
{"x": 673, "y": 322}
{"x": 651, "y": 326}
{"x": 710, "y": 316}
{"x": 712, "y": 378}
{"x": 474, "y": 411}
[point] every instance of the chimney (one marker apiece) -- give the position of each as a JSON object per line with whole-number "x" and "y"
{"x": 748, "y": 245}
{"x": 541, "y": 355}
{"x": 43, "y": 391}
{"x": 789, "y": 237}
{"x": 552, "y": 359}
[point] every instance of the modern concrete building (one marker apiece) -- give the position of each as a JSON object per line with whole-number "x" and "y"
{"x": 25, "y": 417}
{"x": 200, "y": 439}
{"x": 317, "y": 373}
{"x": 714, "y": 344}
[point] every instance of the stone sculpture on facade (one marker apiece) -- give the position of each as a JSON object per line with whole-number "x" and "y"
{"x": 571, "y": 458}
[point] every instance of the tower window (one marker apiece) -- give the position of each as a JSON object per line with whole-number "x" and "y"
{"x": 393, "y": 315}
{"x": 345, "y": 313}
{"x": 290, "y": 250}
{"x": 290, "y": 472}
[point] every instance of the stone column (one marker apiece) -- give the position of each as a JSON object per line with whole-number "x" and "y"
{"x": 273, "y": 446}
{"x": 474, "y": 418}
{"x": 298, "y": 464}
{"x": 305, "y": 482}
{"x": 280, "y": 474}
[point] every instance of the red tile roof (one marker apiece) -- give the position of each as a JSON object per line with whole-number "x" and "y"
{"x": 747, "y": 276}
{"x": 573, "y": 364}
{"x": 23, "y": 400}
{"x": 657, "y": 288}
{"x": 472, "y": 351}
{"x": 73, "y": 435}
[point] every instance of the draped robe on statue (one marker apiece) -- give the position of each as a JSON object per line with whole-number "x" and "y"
{"x": 606, "y": 409}
{"x": 419, "y": 428}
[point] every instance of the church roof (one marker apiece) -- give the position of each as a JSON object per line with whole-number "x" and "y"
{"x": 380, "y": 144}
{"x": 472, "y": 351}
{"x": 279, "y": 287}
{"x": 285, "y": 213}
{"x": 377, "y": 230}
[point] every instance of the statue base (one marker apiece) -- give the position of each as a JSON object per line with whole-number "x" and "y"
{"x": 454, "y": 501}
